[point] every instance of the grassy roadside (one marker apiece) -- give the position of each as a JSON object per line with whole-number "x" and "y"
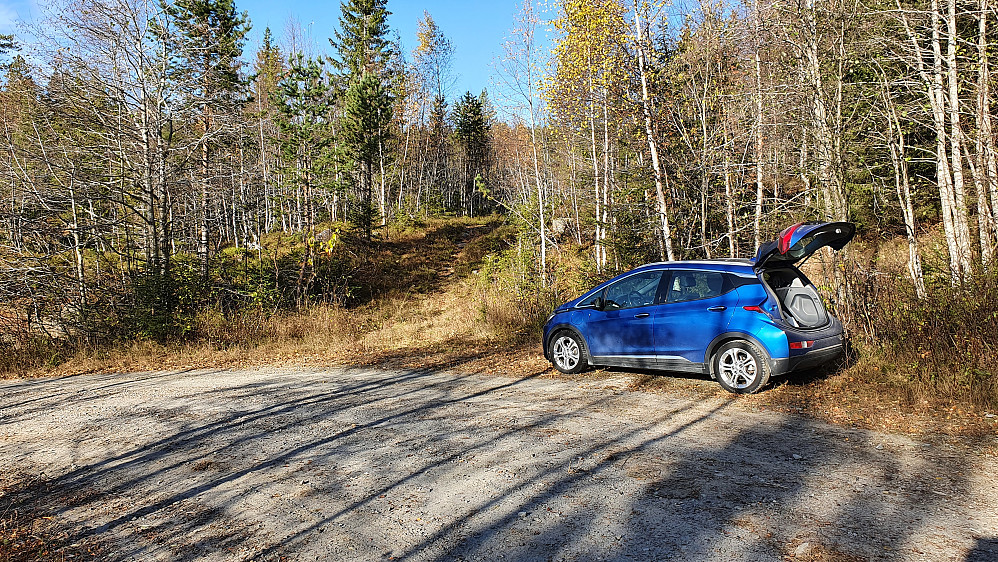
{"x": 429, "y": 311}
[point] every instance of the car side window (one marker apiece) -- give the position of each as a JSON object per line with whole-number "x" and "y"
{"x": 591, "y": 301}
{"x": 695, "y": 285}
{"x": 637, "y": 290}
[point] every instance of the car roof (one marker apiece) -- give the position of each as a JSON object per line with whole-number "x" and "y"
{"x": 738, "y": 266}
{"x": 734, "y": 265}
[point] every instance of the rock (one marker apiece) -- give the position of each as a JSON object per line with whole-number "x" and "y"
{"x": 797, "y": 457}
{"x": 522, "y": 514}
{"x": 803, "y": 549}
{"x": 559, "y": 226}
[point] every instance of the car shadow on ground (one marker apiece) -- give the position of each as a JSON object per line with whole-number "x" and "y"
{"x": 986, "y": 550}
{"x": 287, "y": 467}
{"x": 803, "y": 377}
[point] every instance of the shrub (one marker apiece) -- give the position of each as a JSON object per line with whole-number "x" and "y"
{"x": 513, "y": 299}
{"x": 943, "y": 344}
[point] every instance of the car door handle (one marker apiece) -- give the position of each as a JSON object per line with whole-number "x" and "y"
{"x": 717, "y": 308}
{"x": 642, "y": 315}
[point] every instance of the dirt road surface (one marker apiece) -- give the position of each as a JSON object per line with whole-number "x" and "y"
{"x": 368, "y": 464}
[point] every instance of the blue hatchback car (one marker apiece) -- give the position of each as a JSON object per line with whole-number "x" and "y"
{"x": 741, "y": 321}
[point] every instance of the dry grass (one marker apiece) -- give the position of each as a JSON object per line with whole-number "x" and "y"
{"x": 432, "y": 311}
{"x": 427, "y": 309}
{"x": 401, "y": 324}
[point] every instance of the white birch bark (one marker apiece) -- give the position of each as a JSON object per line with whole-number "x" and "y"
{"x": 987, "y": 167}
{"x": 956, "y": 154}
{"x": 933, "y": 80}
{"x": 902, "y": 185}
{"x": 646, "y": 107}
{"x": 759, "y": 187}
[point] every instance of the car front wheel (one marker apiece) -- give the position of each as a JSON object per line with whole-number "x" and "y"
{"x": 740, "y": 367}
{"x": 567, "y": 353}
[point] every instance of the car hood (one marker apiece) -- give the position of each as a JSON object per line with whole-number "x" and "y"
{"x": 800, "y": 241}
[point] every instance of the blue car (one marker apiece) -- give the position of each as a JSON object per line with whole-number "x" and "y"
{"x": 740, "y": 321}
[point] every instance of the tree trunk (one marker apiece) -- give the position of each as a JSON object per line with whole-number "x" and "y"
{"x": 759, "y": 187}
{"x": 729, "y": 197}
{"x": 646, "y": 106}
{"x": 598, "y": 250}
{"x": 934, "y": 92}
{"x": 899, "y": 159}
{"x": 987, "y": 168}
{"x": 203, "y": 203}
{"x": 540, "y": 199}
{"x": 956, "y": 154}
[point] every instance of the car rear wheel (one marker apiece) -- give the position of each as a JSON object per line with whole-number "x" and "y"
{"x": 567, "y": 353}
{"x": 740, "y": 367}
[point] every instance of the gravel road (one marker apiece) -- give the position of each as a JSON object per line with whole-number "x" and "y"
{"x": 368, "y": 464}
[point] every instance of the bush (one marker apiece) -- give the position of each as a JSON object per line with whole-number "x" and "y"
{"x": 943, "y": 344}
{"x": 513, "y": 299}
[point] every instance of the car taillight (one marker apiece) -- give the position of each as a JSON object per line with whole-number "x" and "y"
{"x": 801, "y": 344}
{"x": 754, "y": 309}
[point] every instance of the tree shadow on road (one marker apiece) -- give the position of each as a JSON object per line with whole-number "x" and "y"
{"x": 363, "y": 463}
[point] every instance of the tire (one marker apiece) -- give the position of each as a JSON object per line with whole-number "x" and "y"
{"x": 568, "y": 353}
{"x": 739, "y": 366}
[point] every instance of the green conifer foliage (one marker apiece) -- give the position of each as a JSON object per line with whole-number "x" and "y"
{"x": 211, "y": 39}
{"x": 363, "y": 55}
{"x": 367, "y": 115}
{"x": 208, "y": 48}
{"x": 362, "y": 41}
{"x": 304, "y": 102}
{"x": 472, "y": 127}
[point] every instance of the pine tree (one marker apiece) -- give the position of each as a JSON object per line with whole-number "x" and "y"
{"x": 304, "y": 102}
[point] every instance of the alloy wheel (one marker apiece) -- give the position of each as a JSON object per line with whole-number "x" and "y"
{"x": 738, "y": 368}
{"x": 566, "y": 353}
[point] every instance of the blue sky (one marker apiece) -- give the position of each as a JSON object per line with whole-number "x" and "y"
{"x": 476, "y": 28}
{"x": 12, "y": 11}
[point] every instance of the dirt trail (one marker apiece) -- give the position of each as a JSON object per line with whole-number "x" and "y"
{"x": 366, "y": 464}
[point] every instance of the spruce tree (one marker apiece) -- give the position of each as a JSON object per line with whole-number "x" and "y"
{"x": 267, "y": 69}
{"x": 367, "y": 115}
{"x": 472, "y": 127}
{"x": 362, "y": 40}
{"x": 7, "y": 45}
{"x": 208, "y": 48}
{"x": 363, "y": 54}
{"x": 439, "y": 157}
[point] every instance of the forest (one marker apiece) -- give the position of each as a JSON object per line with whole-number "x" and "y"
{"x": 156, "y": 172}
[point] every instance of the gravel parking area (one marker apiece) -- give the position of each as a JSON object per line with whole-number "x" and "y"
{"x": 369, "y": 464}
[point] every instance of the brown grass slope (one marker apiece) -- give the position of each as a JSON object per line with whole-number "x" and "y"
{"x": 427, "y": 308}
